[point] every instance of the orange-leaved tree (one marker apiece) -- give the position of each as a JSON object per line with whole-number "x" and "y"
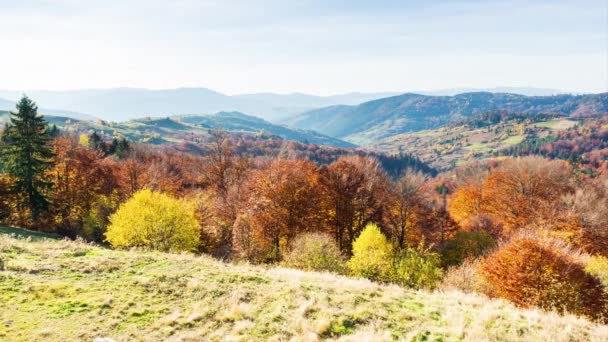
{"x": 532, "y": 272}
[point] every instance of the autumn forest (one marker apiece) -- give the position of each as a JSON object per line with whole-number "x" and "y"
{"x": 528, "y": 229}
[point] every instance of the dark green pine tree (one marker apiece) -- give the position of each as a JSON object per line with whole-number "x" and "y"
{"x": 26, "y": 155}
{"x": 122, "y": 148}
{"x": 96, "y": 143}
{"x": 113, "y": 146}
{"x": 53, "y": 131}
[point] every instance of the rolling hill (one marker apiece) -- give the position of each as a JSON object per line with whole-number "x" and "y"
{"x": 375, "y": 120}
{"x": 61, "y": 290}
{"x": 239, "y": 122}
{"x": 186, "y": 128}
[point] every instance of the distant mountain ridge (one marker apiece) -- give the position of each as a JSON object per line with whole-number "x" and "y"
{"x": 6, "y": 105}
{"x": 121, "y": 104}
{"x": 378, "y": 119}
{"x": 527, "y": 91}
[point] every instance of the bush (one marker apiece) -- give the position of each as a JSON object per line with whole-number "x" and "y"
{"x": 95, "y": 223}
{"x": 1, "y": 265}
{"x": 598, "y": 266}
{"x": 466, "y": 245}
{"x": 372, "y": 255}
{"x": 531, "y": 273}
{"x": 154, "y": 220}
{"x": 417, "y": 268}
{"x": 464, "y": 277}
{"x": 248, "y": 244}
{"x": 315, "y": 252}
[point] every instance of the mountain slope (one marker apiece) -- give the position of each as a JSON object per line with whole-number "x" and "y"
{"x": 61, "y": 290}
{"x": 239, "y": 122}
{"x": 291, "y": 104}
{"x": 378, "y": 119}
{"x": 477, "y": 137}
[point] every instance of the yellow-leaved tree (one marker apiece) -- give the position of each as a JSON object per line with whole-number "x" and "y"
{"x": 372, "y": 255}
{"x": 154, "y": 220}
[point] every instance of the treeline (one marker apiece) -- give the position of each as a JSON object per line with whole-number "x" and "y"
{"x": 530, "y": 230}
{"x": 263, "y": 146}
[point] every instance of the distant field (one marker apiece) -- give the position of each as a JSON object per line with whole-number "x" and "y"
{"x": 514, "y": 140}
{"x": 556, "y": 124}
{"x": 453, "y": 145}
{"x": 58, "y": 290}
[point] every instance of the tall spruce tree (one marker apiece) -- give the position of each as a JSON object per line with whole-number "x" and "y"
{"x": 26, "y": 155}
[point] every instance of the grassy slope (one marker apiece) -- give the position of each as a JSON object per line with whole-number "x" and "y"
{"x": 460, "y": 144}
{"x": 62, "y": 290}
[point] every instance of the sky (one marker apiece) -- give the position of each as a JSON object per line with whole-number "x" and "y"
{"x": 312, "y": 46}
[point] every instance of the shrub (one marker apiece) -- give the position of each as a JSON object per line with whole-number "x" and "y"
{"x": 417, "y": 268}
{"x": 249, "y": 244}
{"x": 315, "y": 252}
{"x": 531, "y": 273}
{"x": 372, "y": 255}
{"x": 464, "y": 277}
{"x": 1, "y": 265}
{"x": 95, "y": 223}
{"x": 598, "y": 266}
{"x": 466, "y": 245}
{"x": 154, "y": 220}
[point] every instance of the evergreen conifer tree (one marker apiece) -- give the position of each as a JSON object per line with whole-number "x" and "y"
{"x": 27, "y": 154}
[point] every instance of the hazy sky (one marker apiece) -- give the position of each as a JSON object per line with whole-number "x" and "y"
{"x": 314, "y": 46}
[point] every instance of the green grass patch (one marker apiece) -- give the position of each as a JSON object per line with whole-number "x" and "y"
{"x": 514, "y": 140}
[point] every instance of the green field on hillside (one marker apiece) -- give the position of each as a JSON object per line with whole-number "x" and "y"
{"x": 457, "y": 144}
{"x": 59, "y": 290}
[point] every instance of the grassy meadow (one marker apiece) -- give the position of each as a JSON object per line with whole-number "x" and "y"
{"x": 60, "y": 290}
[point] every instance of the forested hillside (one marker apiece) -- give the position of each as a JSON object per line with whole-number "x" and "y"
{"x": 585, "y": 144}
{"x": 383, "y": 118}
{"x": 478, "y": 137}
{"x": 494, "y": 135}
